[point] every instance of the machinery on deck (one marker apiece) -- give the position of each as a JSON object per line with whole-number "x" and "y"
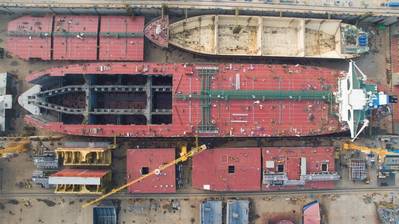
{"x": 183, "y": 157}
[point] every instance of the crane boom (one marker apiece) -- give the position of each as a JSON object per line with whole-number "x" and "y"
{"x": 14, "y": 148}
{"x": 183, "y": 157}
{"x": 381, "y": 152}
{"x": 375, "y": 150}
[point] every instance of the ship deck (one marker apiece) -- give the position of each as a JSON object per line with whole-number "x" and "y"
{"x": 73, "y": 37}
{"x": 22, "y": 40}
{"x": 174, "y": 100}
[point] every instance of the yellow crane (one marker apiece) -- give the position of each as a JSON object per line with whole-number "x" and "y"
{"x": 381, "y": 152}
{"x": 14, "y": 147}
{"x": 184, "y": 155}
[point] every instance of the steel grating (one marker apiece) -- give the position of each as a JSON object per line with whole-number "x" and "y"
{"x": 358, "y": 169}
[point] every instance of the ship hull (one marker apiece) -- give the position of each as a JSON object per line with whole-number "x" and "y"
{"x": 226, "y": 100}
{"x": 227, "y": 35}
{"x": 76, "y": 37}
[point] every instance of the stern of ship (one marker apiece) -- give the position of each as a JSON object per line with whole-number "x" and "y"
{"x": 357, "y": 98}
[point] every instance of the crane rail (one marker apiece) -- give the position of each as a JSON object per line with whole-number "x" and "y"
{"x": 127, "y": 196}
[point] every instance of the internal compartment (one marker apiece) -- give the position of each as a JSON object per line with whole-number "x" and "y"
{"x": 282, "y": 36}
{"x": 107, "y": 99}
{"x": 322, "y": 37}
{"x": 238, "y": 35}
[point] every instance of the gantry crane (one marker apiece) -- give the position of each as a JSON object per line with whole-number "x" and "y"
{"x": 184, "y": 155}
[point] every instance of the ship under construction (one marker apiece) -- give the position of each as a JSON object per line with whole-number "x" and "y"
{"x": 121, "y": 38}
{"x": 238, "y": 35}
{"x": 210, "y": 100}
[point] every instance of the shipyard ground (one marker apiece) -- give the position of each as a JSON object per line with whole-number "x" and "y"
{"x": 16, "y": 172}
{"x": 337, "y": 208}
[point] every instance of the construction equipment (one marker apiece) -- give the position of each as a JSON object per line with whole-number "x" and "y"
{"x": 183, "y": 157}
{"x": 87, "y": 156}
{"x": 379, "y": 151}
{"x": 14, "y": 147}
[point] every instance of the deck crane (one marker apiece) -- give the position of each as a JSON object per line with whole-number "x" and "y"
{"x": 183, "y": 157}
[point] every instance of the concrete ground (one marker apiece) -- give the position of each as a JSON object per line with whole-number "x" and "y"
{"x": 336, "y": 209}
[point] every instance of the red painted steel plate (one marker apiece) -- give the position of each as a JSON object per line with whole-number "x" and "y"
{"x": 75, "y": 37}
{"x": 232, "y": 118}
{"x": 114, "y": 48}
{"x": 33, "y": 38}
{"x": 164, "y": 182}
{"x": 211, "y": 169}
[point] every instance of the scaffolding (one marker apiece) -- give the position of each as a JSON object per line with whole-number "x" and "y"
{"x": 46, "y": 161}
{"x": 358, "y": 170}
{"x": 40, "y": 177}
{"x": 85, "y": 156}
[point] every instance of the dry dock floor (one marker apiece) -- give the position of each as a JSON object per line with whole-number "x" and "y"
{"x": 16, "y": 172}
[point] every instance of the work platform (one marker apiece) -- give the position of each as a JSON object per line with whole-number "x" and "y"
{"x": 85, "y": 156}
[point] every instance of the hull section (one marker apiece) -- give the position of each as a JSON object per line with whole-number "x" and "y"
{"x": 177, "y": 100}
{"x": 111, "y": 38}
{"x": 260, "y": 36}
